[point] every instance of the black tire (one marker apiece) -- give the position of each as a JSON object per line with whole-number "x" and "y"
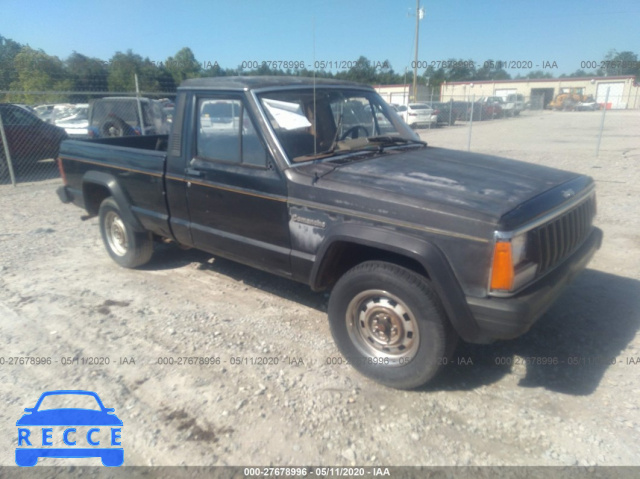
{"x": 115, "y": 127}
{"x": 126, "y": 247}
{"x": 389, "y": 324}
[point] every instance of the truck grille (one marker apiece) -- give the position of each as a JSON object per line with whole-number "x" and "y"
{"x": 561, "y": 236}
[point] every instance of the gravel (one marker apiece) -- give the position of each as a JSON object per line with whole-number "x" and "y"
{"x": 269, "y": 387}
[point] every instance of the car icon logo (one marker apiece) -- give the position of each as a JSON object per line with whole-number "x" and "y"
{"x": 69, "y": 432}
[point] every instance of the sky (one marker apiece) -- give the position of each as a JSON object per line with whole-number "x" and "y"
{"x": 531, "y": 34}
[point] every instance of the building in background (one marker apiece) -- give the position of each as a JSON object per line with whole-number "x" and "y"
{"x": 401, "y": 94}
{"x": 624, "y": 92}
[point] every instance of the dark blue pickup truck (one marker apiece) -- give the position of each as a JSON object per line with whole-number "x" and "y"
{"x": 321, "y": 182}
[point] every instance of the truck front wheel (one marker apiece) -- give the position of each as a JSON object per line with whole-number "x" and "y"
{"x": 126, "y": 247}
{"x": 389, "y": 324}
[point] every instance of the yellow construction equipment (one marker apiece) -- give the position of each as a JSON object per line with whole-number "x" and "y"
{"x": 569, "y": 100}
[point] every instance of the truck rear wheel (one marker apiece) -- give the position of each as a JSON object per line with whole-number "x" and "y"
{"x": 389, "y": 324}
{"x": 126, "y": 246}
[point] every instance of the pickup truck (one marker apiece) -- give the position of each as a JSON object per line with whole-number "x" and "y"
{"x": 321, "y": 182}
{"x": 513, "y": 104}
{"x": 126, "y": 116}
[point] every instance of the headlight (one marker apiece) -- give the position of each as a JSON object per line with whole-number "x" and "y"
{"x": 512, "y": 266}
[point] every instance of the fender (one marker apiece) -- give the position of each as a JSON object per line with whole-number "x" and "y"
{"x": 111, "y": 183}
{"x": 425, "y": 253}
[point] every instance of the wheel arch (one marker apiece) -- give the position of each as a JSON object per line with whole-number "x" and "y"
{"x": 96, "y": 186}
{"x": 350, "y": 245}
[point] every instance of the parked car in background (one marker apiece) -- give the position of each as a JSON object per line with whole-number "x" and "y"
{"x": 44, "y": 112}
{"x": 25, "y": 107}
{"x": 168, "y": 107}
{"x": 487, "y": 108}
{"x": 589, "y": 104}
{"x": 446, "y": 113}
{"x": 219, "y": 115}
{"x": 74, "y": 120}
{"x": 460, "y": 109}
{"x": 28, "y": 137}
{"x": 513, "y": 104}
{"x": 417, "y": 114}
{"x": 120, "y": 116}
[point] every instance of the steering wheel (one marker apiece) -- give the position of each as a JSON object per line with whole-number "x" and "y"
{"x": 354, "y": 131}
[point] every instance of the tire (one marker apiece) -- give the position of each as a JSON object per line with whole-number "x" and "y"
{"x": 115, "y": 127}
{"x": 126, "y": 247}
{"x": 389, "y": 324}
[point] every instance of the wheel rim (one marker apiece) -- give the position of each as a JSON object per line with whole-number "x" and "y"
{"x": 116, "y": 234}
{"x": 380, "y": 325}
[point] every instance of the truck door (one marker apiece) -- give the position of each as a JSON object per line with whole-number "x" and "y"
{"x": 237, "y": 199}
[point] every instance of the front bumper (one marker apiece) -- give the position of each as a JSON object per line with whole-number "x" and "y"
{"x": 506, "y": 318}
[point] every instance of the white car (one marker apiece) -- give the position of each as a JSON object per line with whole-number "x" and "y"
{"x": 219, "y": 116}
{"x": 74, "y": 119}
{"x": 417, "y": 114}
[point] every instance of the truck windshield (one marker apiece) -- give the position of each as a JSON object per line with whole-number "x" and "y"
{"x": 331, "y": 122}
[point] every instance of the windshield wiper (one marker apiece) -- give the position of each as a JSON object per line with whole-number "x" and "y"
{"x": 362, "y": 144}
{"x": 386, "y": 140}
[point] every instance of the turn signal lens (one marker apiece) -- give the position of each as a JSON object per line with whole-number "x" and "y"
{"x": 502, "y": 271}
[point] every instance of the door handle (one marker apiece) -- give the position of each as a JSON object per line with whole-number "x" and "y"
{"x": 194, "y": 172}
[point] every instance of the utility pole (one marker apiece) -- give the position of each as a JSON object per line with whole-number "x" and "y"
{"x": 419, "y": 15}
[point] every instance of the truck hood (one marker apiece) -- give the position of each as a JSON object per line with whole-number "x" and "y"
{"x": 461, "y": 181}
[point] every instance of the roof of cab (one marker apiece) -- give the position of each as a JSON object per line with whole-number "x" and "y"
{"x": 258, "y": 82}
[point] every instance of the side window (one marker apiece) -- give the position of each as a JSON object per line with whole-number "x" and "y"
{"x": 253, "y": 151}
{"x": 226, "y": 133}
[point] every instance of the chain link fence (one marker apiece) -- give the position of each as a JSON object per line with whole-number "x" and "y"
{"x": 33, "y": 124}
{"x": 469, "y": 108}
{"x": 31, "y": 131}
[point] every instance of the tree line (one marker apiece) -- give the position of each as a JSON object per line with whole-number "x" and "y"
{"x": 32, "y": 76}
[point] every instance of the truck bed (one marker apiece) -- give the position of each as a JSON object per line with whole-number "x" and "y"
{"x": 135, "y": 163}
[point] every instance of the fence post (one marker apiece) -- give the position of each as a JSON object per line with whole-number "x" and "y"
{"x": 142, "y": 126}
{"x": 473, "y": 100}
{"x": 604, "y": 111}
{"x": 7, "y": 153}
{"x": 431, "y": 105}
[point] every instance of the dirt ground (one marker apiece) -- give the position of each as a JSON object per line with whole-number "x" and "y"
{"x": 274, "y": 391}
